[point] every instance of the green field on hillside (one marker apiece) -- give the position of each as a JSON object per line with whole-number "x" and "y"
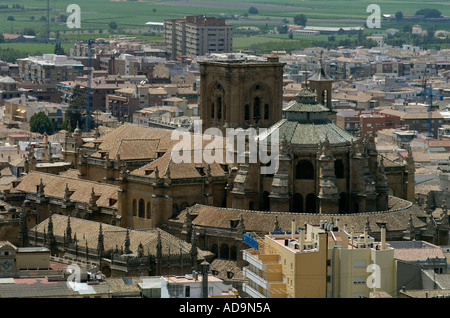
{"x": 96, "y": 15}
{"x": 131, "y": 18}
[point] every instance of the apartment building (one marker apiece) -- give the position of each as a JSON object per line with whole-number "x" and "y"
{"x": 49, "y": 68}
{"x": 318, "y": 261}
{"x": 196, "y": 36}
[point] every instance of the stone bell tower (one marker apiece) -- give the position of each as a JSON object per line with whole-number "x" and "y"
{"x": 321, "y": 84}
{"x": 240, "y": 93}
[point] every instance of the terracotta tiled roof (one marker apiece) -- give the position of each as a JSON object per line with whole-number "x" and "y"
{"x": 178, "y": 170}
{"x": 55, "y": 186}
{"x": 87, "y": 232}
{"x": 396, "y": 218}
{"x": 140, "y": 142}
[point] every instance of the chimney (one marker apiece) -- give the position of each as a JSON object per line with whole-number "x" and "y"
{"x": 293, "y": 229}
{"x": 383, "y": 237}
{"x": 205, "y": 271}
{"x": 302, "y": 239}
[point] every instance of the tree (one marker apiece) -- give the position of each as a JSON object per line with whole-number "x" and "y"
{"x": 41, "y": 123}
{"x": 300, "y": 19}
{"x": 112, "y": 25}
{"x": 253, "y": 10}
{"x": 283, "y": 29}
{"x": 407, "y": 28}
{"x": 29, "y": 31}
{"x": 429, "y": 13}
{"x": 10, "y": 18}
{"x": 76, "y": 113}
{"x": 58, "y": 49}
{"x": 399, "y": 15}
{"x": 2, "y": 38}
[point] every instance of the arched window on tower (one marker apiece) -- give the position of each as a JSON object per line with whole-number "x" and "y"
{"x": 219, "y": 108}
{"x": 212, "y": 110}
{"x": 266, "y": 111}
{"x": 325, "y": 97}
{"x": 256, "y": 109}
{"x": 304, "y": 170}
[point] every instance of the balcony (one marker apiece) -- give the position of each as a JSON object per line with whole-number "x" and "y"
{"x": 260, "y": 260}
{"x": 251, "y": 292}
{"x": 255, "y": 278}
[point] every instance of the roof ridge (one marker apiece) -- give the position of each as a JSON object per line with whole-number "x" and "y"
{"x": 71, "y": 178}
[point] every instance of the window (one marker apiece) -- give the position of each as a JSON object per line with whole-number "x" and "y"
{"x": 266, "y": 111}
{"x": 256, "y": 108}
{"x": 175, "y": 290}
{"x": 339, "y": 169}
{"x": 219, "y": 108}
{"x": 304, "y": 170}
{"x": 141, "y": 208}
{"x": 187, "y": 291}
{"x": 359, "y": 264}
{"x": 359, "y": 280}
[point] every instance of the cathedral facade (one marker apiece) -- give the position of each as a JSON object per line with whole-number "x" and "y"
{"x": 321, "y": 167}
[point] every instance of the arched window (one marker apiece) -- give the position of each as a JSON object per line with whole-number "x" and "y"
{"x": 266, "y": 111}
{"x": 251, "y": 205}
{"x": 134, "y": 207}
{"x": 141, "y": 208}
{"x": 149, "y": 210}
{"x": 339, "y": 168}
{"x": 212, "y": 110}
{"x": 256, "y": 109}
{"x": 304, "y": 170}
{"x": 311, "y": 203}
{"x": 266, "y": 201}
{"x": 298, "y": 203}
{"x": 325, "y": 97}
{"x": 219, "y": 108}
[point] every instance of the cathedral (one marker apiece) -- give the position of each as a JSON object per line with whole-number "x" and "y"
{"x": 128, "y": 177}
{"x": 321, "y": 167}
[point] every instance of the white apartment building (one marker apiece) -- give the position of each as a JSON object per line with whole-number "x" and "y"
{"x": 197, "y": 36}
